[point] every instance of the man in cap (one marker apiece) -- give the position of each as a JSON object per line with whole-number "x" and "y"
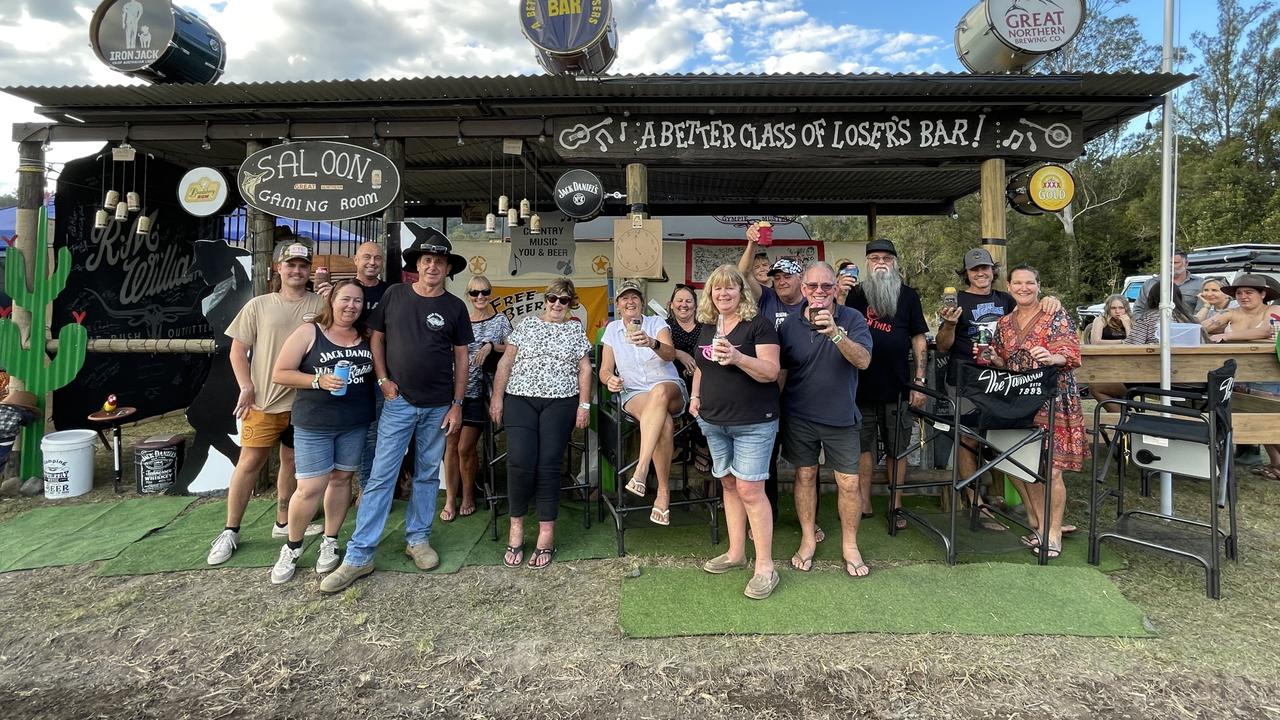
{"x": 18, "y": 410}
{"x": 899, "y": 353}
{"x": 822, "y": 349}
{"x": 257, "y": 334}
{"x": 1186, "y": 283}
{"x": 420, "y": 338}
{"x": 979, "y": 305}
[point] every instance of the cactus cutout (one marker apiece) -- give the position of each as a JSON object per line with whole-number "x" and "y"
{"x": 29, "y": 364}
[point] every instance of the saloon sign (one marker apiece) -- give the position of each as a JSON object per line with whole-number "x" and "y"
{"x": 822, "y": 139}
{"x": 318, "y": 180}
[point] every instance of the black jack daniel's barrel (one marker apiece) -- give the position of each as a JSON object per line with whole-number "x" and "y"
{"x": 157, "y": 41}
{"x": 571, "y": 37}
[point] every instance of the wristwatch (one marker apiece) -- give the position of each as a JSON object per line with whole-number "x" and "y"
{"x": 456, "y": 402}
{"x": 382, "y": 380}
{"x": 584, "y": 406}
{"x": 837, "y": 338}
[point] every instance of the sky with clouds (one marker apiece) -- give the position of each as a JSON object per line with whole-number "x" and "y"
{"x": 46, "y": 42}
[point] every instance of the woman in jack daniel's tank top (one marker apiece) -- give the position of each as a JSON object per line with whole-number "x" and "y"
{"x": 330, "y": 417}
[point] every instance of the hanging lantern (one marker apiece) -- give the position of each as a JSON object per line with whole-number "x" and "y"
{"x": 122, "y": 211}
{"x": 503, "y": 204}
{"x": 113, "y": 199}
{"x": 134, "y": 201}
{"x": 144, "y": 225}
{"x": 491, "y": 223}
{"x": 100, "y": 219}
{"x": 524, "y": 209}
{"x": 513, "y": 217}
{"x": 535, "y": 224}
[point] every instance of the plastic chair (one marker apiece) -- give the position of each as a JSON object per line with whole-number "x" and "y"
{"x": 1189, "y": 439}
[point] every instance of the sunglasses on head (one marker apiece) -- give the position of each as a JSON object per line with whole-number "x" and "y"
{"x": 562, "y": 299}
{"x": 478, "y": 293}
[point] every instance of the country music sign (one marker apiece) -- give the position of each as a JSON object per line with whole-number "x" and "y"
{"x": 822, "y": 139}
{"x": 318, "y": 180}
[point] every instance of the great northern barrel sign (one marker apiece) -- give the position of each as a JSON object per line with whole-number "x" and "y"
{"x": 318, "y": 180}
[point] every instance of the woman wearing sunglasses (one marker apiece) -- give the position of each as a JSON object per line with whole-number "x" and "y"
{"x": 541, "y": 392}
{"x": 461, "y": 460}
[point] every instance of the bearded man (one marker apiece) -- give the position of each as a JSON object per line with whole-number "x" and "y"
{"x": 898, "y": 353}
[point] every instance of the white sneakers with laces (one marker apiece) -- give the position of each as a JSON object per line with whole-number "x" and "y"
{"x": 328, "y": 559}
{"x": 222, "y": 547}
{"x": 282, "y": 533}
{"x": 285, "y": 565}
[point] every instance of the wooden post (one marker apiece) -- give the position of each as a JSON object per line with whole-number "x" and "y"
{"x": 31, "y": 179}
{"x": 871, "y": 223}
{"x": 638, "y": 188}
{"x": 993, "y": 203}
{"x": 261, "y": 227}
{"x": 393, "y": 216}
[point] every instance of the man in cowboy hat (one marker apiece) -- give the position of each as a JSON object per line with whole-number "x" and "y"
{"x": 18, "y": 409}
{"x": 420, "y": 338}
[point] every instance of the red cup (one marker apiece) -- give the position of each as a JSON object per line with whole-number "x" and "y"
{"x": 765, "y": 237}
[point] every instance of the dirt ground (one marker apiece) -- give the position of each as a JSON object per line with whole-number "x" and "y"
{"x": 494, "y": 643}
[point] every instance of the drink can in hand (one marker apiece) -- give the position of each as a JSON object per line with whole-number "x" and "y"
{"x": 342, "y": 371}
{"x": 765, "y": 236}
{"x": 322, "y": 275}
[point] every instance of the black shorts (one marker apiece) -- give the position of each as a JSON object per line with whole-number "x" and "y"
{"x": 883, "y": 419}
{"x": 475, "y": 411}
{"x": 286, "y": 437}
{"x": 803, "y": 440}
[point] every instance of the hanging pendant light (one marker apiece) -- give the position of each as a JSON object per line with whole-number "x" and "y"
{"x": 100, "y": 219}
{"x": 113, "y": 199}
{"x": 122, "y": 212}
{"x": 144, "y": 225}
{"x": 524, "y": 209}
{"x": 134, "y": 201}
{"x": 535, "y": 224}
{"x": 491, "y": 223}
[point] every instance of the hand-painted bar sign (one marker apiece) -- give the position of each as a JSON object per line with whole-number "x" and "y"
{"x": 579, "y": 194}
{"x": 318, "y": 180}
{"x": 829, "y": 139}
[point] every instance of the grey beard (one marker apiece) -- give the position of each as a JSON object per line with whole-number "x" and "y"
{"x": 882, "y": 292}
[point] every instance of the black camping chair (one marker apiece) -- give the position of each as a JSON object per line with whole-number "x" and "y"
{"x": 995, "y": 410}
{"x": 1191, "y": 439}
{"x": 615, "y": 428}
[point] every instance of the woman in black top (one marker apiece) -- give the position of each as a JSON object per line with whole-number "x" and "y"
{"x": 685, "y": 328}
{"x": 329, "y": 428}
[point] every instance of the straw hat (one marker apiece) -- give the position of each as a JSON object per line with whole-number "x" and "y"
{"x": 22, "y": 399}
{"x": 1255, "y": 281}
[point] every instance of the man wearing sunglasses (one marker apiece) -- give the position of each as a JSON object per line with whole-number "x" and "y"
{"x": 420, "y": 338}
{"x": 899, "y": 330}
{"x": 823, "y": 348}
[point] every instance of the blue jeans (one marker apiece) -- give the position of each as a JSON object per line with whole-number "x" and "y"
{"x": 399, "y": 422}
{"x": 370, "y": 442}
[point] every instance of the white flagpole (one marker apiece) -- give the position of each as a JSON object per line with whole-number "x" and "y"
{"x": 1166, "y": 240}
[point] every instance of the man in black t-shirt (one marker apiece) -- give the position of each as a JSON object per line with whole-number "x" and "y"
{"x": 420, "y": 338}
{"x": 898, "y": 330}
{"x": 368, "y": 261}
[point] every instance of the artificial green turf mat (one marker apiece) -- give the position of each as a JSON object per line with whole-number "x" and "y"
{"x": 976, "y": 599}
{"x": 185, "y": 544}
{"x": 690, "y": 536}
{"x": 73, "y": 534}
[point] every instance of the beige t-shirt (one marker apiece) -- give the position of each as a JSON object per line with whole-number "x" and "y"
{"x": 264, "y": 324}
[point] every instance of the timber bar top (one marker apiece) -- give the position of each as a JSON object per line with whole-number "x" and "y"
{"x": 1255, "y": 362}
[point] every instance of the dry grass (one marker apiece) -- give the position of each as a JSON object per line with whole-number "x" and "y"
{"x": 490, "y": 642}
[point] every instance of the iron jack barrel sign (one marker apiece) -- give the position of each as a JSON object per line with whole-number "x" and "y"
{"x": 823, "y": 139}
{"x": 318, "y": 180}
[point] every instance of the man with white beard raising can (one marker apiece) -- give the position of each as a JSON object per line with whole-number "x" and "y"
{"x": 898, "y": 330}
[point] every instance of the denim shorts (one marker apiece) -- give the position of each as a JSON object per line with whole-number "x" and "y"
{"x": 319, "y": 452}
{"x": 742, "y": 451}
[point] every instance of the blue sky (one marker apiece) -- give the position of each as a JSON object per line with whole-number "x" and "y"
{"x": 44, "y": 42}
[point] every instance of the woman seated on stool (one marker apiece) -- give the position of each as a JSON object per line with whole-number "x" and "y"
{"x": 637, "y": 362}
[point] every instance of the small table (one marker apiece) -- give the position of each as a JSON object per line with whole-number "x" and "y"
{"x": 113, "y": 420}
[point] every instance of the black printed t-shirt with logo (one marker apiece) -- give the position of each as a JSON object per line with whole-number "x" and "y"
{"x": 730, "y": 396}
{"x": 322, "y": 410}
{"x": 421, "y": 333}
{"x": 373, "y": 295}
{"x": 976, "y": 311}
{"x": 890, "y": 371}
{"x": 772, "y": 307}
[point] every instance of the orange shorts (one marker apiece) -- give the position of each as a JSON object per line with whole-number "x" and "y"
{"x": 263, "y": 430}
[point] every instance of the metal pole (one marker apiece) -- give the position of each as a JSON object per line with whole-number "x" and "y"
{"x": 1166, "y": 240}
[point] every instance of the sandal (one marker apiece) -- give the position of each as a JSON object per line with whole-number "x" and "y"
{"x": 448, "y": 514}
{"x": 636, "y": 486}
{"x": 803, "y": 564}
{"x": 660, "y": 516}
{"x": 1054, "y": 551}
{"x": 1032, "y": 541}
{"x": 1270, "y": 472}
{"x": 900, "y": 522}
{"x": 852, "y": 569}
{"x": 514, "y": 556}
{"x": 538, "y": 553}
{"x": 467, "y": 510}
{"x": 988, "y": 520}
{"x": 818, "y": 535}
{"x": 1068, "y": 529}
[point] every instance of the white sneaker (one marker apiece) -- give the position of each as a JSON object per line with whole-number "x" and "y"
{"x": 282, "y": 533}
{"x": 285, "y": 565}
{"x": 222, "y": 547}
{"x": 328, "y": 559}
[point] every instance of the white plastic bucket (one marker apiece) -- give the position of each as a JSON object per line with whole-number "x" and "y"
{"x": 68, "y": 463}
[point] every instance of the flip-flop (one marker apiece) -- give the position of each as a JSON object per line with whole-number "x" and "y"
{"x": 517, "y": 551}
{"x": 448, "y": 514}
{"x": 988, "y": 520}
{"x": 818, "y": 535}
{"x": 797, "y": 561}
{"x": 1068, "y": 529}
{"x": 464, "y": 512}
{"x": 548, "y": 553}
{"x": 855, "y": 567}
{"x": 900, "y": 523}
{"x": 636, "y": 486}
{"x": 1053, "y": 551}
{"x": 1032, "y": 541}
{"x": 1270, "y": 472}
{"x": 660, "y": 516}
